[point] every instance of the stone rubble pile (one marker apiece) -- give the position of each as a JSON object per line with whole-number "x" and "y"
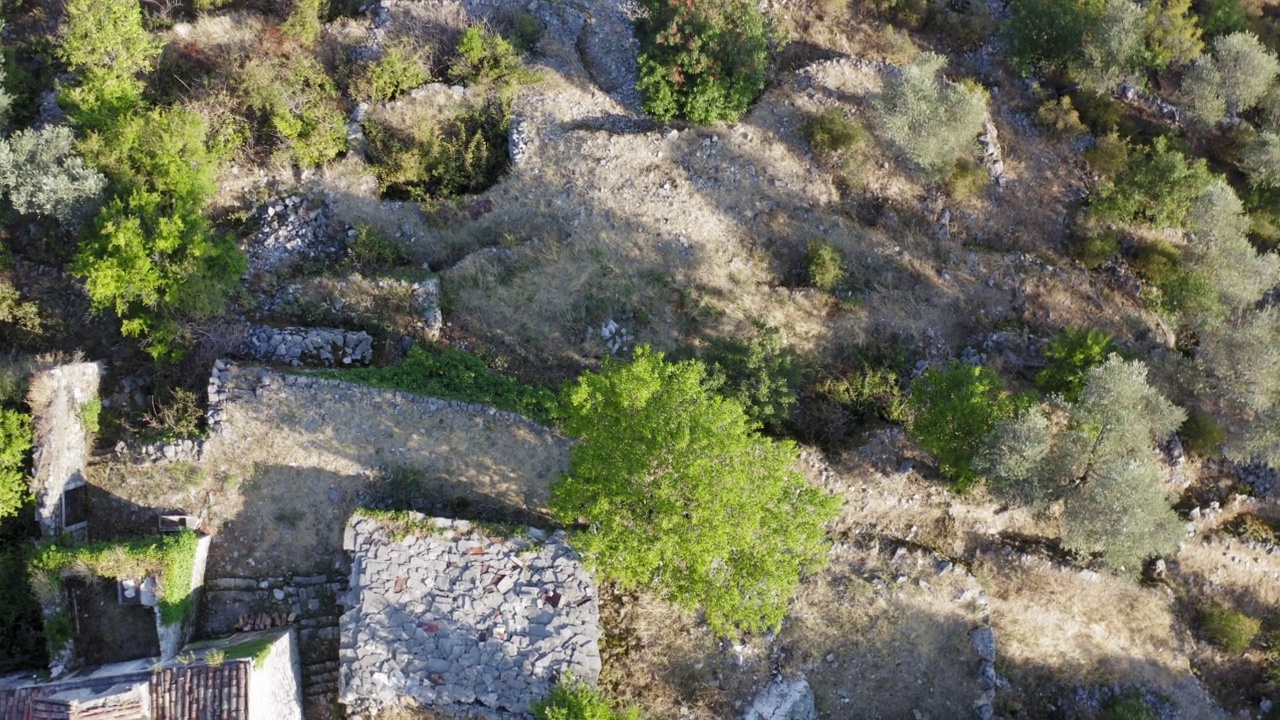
{"x": 306, "y": 346}
{"x": 293, "y": 228}
{"x": 1258, "y": 475}
{"x": 462, "y": 622}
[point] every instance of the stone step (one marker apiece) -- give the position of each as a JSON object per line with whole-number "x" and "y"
{"x": 329, "y": 678}
{"x": 323, "y": 666}
{"x": 230, "y": 584}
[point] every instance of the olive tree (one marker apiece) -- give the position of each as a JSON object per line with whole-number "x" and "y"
{"x": 1261, "y": 160}
{"x": 673, "y": 489}
{"x": 1232, "y": 78}
{"x": 1219, "y": 253}
{"x": 933, "y": 121}
{"x": 42, "y": 174}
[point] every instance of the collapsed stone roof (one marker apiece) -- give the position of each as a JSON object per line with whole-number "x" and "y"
{"x": 459, "y": 620}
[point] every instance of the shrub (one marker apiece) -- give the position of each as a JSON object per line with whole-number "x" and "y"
{"x": 1060, "y": 119}
{"x": 1221, "y": 17}
{"x": 575, "y": 700}
{"x": 952, "y": 410}
{"x": 1252, "y": 529}
{"x": 41, "y": 173}
{"x": 968, "y": 180}
{"x": 1101, "y": 112}
{"x": 935, "y": 123}
{"x": 151, "y": 255}
{"x": 1109, "y": 156}
{"x": 869, "y": 392}
{"x": 175, "y": 415}
{"x": 701, "y": 61}
{"x": 1071, "y": 355}
{"x": 456, "y": 375}
{"x": 400, "y": 69}
{"x": 1157, "y": 186}
{"x": 296, "y": 107}
{"x": 90, "y": 414}
{"x": 1230, "y": 630}
{"x": 304, "y": 22}
{"x": 1092, "y": 247}
{"x": 105, "y": 45}
{"x": 1129, "y": 707}
{"x": 525, "y": 31}
{"x": 1203, "y": 434}
{"x": 825, "y": 268}
{"x": 15, "y": 443}
{"x": 1172, "y": 34}
{"x": 833, "y": 136}
{"x": 486, "y": 57}
{"x": 679, "y": 494}
{"x": 760, "y": 373}
{"x": 371, "y": 252}
{"x": 465, "y": 153}
{"x": 13, "y": 311}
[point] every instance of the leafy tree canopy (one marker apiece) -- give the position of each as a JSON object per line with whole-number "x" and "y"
{"x": 15, "y": 442}
{"x": 703, "y": 61}
{"x": 106, "y": 46}
{"x": 41, "y": 173}
{"x": 680, "y": 494}
{"x": 935, "y": 122}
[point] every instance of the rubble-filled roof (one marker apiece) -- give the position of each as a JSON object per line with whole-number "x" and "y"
{"x": 463, "y": 621}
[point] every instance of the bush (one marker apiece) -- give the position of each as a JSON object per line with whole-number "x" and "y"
{"x": 370, "y": 252}
{"x": 1093, "y": 248}
{"x": 869, "y": 392}
{"x": 41, "y": 173}
{"x": 400, "y": 69}
{"x": 1228, "y": 629}
{"x": 968, "y": 180}
{"x": 575, "y": 700}
{"x": 304, "y": 22}
{"x": 1221, "y": 17}
{"x": 465, "y": 153}
{"x": 1060, "y": 119}
{"x": 105, "y": 45}
{"x": 525, "y": 31}
{"x": 1129, "y": 707}
{"x": 935, "y": 123}
{"x": 90, "y": 414}
{"x": 13, "y": 311}
{"x": 151, "y": 255}
{"x": 1099, "y": 111}
{"x": 760, "y": 373}
{"x": 825, "y": 268}
{"x": 832, "y": 136}
{"x": 488, "y": 58}
{"x": 296, "y": 107}
{"x": 1252, "y": 529}
{"x": 15, "y": 443}
{"x": 1157, "y": 186}
{"x": 456, "y": 375}
{"x": 952, "y": 410}
{"x": 680, "y": 495}
{"x": 702, "y": 61}
{"x": 1109, "y": 156}
{"x": 1071, "y": 355}
{"x": 1203, "y": 434}
{"x": 1096, "y": 41}
{"x": 175, "y": 414}
{"x": 1172, "y": 34}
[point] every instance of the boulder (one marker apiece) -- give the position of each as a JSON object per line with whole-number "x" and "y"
{"x": 783, "y": 699}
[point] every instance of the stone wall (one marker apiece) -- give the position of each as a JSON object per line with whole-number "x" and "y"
{"x": 462, "y": 621}
{"x": 61, "y": 439}
{"x": 275, "y": 688}
{"x": 307, "y": 346}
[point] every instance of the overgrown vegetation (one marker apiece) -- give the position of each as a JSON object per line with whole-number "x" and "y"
{"x": 672, "y": 490}
{"x": 1071, "y": 355}
{"x": 294, "y": 104}
{"x": 934, "y": 122}
{"x": 169, "y": 558}
{"x": 760, "y": 373}
{"x": 454, "y": 155}
{"x": 704, "y": 62}
{"x": 456, "y": 375}
{"x": 15, "y": 444}
{"x": 1230, "y": 630}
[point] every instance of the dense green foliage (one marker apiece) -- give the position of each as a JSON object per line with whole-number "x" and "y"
{"x": 1230, "y": 80}
{"x": 456, "y": 375}
{"x": 106, "y": 47}
{"x": 1071, "y": 355}
{"x": 151, "y": 256}
{"x": 702, "y": 61}
{"x": 934, "y": 122}
{"x": 825, "y": 267}
{"x": 833, "y": 136}
{"x": 170, "y": 558}
{"x": 677, "y": 493}
{"x": 1172, "y": 34}
{"x": 304, "y": 22}
{"x": 1231, "y": 630}
{"x": 761, "y": 373}
{"x": 1156, "y": 186}
{"x": 576, "y": 700}
{"x": 15, "y": 443}
{"x": 296, "y": 107}
{"x": 1129, "y": 707}
{"x": 41, "y": 173}
{"x": 400, "y": 69}
{"x": 465, "y": 153}
{"x": 483, "y": 57}
{"x": 952, "y": 410}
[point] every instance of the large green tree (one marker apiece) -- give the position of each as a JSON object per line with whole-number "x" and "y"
{"x": 677, "y": 492}
{"x": 152, "y": 257}
{"x": 15, "y": 442}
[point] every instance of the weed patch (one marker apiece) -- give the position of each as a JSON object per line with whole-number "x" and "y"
{"x": 460, "y": 154}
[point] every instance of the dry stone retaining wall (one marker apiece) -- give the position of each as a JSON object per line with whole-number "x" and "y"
{"x": 307, "y": 346}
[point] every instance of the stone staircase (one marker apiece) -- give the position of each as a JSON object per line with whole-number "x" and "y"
{"x": 309, "y": 603}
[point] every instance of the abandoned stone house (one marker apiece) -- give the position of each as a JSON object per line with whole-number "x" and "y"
{"x": 466, "y": 620}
